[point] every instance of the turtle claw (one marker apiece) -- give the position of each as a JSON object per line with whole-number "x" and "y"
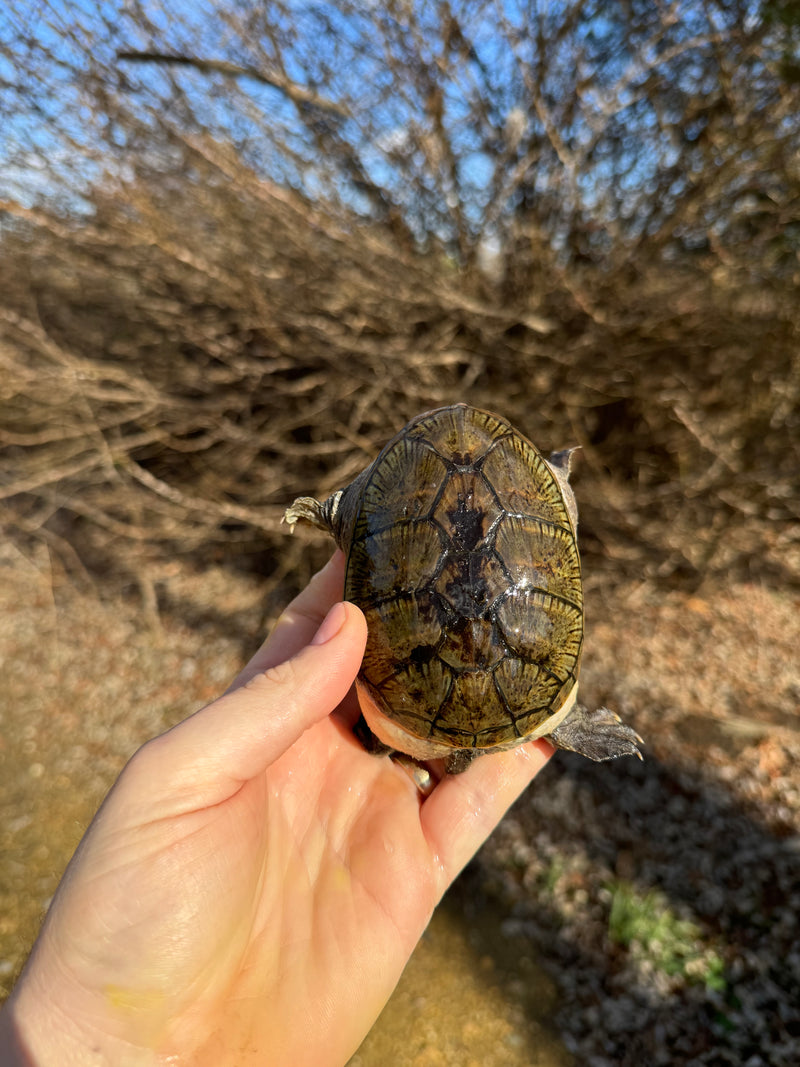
{"x": 599, "y": 735}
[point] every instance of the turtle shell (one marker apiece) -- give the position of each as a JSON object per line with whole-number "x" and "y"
{"x": 464, "y": 560}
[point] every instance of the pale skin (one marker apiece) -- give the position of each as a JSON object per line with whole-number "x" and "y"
{"x": 255, "y": 882}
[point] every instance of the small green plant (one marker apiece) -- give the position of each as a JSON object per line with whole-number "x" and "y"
{"x": 646, "y": 925}
{"x": 553, "y": 873}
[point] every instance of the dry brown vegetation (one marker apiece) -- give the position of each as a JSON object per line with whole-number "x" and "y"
{"x": 237, "y": 282}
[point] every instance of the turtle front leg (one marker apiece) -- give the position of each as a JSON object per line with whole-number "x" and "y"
{"x": 315, "y": 512}
{"x": 598, "y": 735}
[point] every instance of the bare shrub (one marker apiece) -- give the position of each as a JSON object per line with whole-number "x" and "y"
{"x": 238, "y": 283}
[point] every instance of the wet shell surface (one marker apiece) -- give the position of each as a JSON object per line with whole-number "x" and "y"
{"x": 462, "y": 554}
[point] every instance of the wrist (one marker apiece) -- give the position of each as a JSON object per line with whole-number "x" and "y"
{"x": 35, "y": 1031}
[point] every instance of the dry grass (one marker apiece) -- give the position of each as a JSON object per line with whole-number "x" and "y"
{"x": 175, "y": 372}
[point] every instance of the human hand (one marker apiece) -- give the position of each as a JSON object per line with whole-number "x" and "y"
{"x": 254, "y": 883}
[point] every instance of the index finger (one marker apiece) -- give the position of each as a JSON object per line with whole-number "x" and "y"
{"x": 464, "y": 808}
{"x": 299, "y": 621}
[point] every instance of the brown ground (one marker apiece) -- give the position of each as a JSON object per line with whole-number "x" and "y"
{"x": 524, "y": 942}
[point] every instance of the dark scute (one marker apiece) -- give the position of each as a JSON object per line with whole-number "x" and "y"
{"x": 472, "y": 643}
{"x": 422, "y": 654}
{"x": 466, "y": 525}
{"x": 470, "y": 583}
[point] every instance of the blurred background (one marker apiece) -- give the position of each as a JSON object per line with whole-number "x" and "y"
{"x": 241, "y": 243}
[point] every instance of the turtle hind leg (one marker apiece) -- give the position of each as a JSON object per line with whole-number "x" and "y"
{"x": 598, "y": 735}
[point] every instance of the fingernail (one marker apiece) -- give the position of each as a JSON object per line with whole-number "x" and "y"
{"x": 331, "y": 624}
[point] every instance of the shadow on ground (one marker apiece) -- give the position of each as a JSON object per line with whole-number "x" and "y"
{"x": 647, "y": 912}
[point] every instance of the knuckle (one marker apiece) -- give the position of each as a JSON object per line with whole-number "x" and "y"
{"x": 148, "y": 765}
{"x": 283, "y": 675}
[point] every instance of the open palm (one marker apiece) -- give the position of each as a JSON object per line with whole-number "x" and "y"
{"x": 254, "y": 883}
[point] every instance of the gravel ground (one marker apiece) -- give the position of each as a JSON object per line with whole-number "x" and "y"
{"x": 662, "y": 898}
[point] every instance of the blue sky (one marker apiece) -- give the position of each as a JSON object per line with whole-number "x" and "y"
{"x": 57, "y": 142}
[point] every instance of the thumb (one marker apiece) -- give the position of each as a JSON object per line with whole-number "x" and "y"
{"x": 238, "y": 736}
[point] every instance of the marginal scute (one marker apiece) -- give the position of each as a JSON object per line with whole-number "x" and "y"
{"x": 465, "y": 562}
{"x": 502, "y": 734}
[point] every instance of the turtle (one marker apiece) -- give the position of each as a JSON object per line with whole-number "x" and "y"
{"x": 461, "y": 549}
